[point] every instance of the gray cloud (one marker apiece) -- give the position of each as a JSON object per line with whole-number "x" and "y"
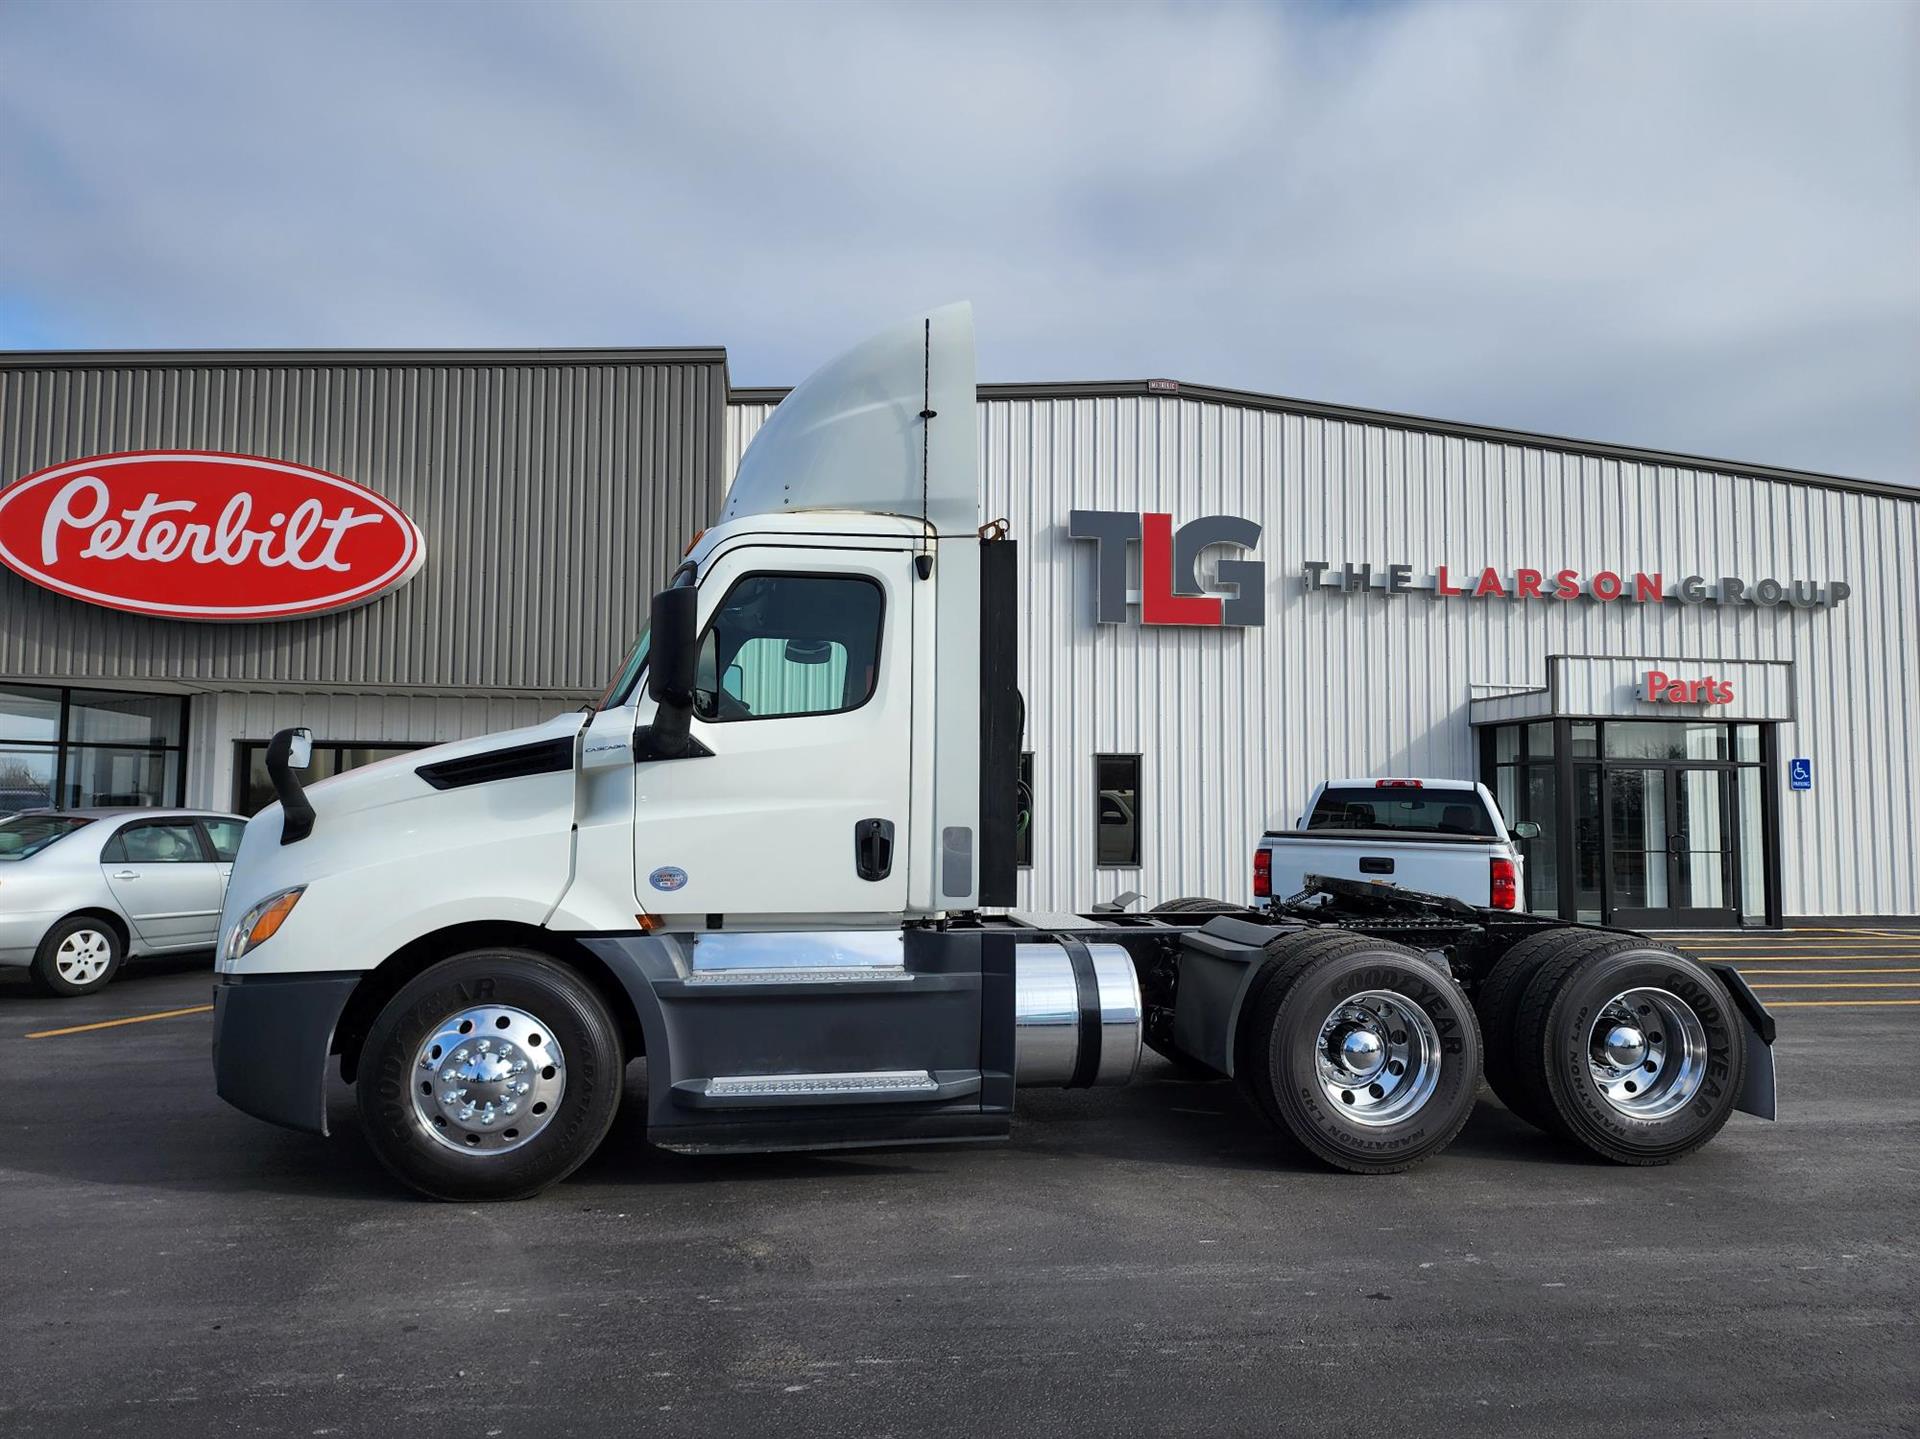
{"x": 1691, "y": 226}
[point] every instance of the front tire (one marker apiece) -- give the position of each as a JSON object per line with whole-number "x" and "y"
{"x": 489, "y": 1076}
{"x": 78, "y": 956}
{"x": 1365, "y": 1053}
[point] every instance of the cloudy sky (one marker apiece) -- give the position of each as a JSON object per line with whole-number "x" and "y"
{"x": 1695, "y": 226}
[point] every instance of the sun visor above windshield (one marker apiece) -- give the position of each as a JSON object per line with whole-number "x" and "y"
{"x": 851, "y": 437}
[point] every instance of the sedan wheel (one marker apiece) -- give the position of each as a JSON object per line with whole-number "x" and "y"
{"x": 78, "y": 956}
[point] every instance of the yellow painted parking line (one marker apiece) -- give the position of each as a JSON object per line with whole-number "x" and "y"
{"x": 1834, "y": 961}
{"x": 116, "y": 1023}
{"x": 1835, "y": 969}
{"x": 1842, "y": 1003}
{"x": 1869, "y": 984}
{"x": 1753, "y": 941}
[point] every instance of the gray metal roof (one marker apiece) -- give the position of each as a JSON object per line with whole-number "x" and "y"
{"x": 1391, "y": 419}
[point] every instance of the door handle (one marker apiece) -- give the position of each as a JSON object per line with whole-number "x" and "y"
{"x": 873, "y": 848}
{"x": 126, "y": 874}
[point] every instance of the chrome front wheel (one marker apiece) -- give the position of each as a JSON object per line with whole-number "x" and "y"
{"x": 490, "y": 1075}
{"x": 489, "y": 1079}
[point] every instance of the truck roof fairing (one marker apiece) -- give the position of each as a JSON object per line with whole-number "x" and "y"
{"x": 851, "y": 437}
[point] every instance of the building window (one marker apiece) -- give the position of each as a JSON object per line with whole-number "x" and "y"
{"x": 253, "y": 791}
{"x": 1023, "y": 814}
{"x": 1116, "y": 807}
{"x": 68, "y": 748}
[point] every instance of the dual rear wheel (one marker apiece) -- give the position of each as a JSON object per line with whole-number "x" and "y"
{"x": 1364, "y": 1052}
{"x": 1614, "y": 1042}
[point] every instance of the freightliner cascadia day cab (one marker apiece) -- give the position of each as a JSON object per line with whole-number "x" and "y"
{"x": 776, "y": 861}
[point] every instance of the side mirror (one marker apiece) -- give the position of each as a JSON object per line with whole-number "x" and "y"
{"x": 1526, "y": 829}
{"x": 300, "y": 749}
{"x": 672, "y": 655}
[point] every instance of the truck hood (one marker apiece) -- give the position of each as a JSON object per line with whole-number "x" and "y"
{"x": 398, "y": 778}
{"x": 341, "y": 806}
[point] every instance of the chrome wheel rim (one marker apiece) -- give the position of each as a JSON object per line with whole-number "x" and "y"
{"x": 1378, "y": 1057}
{"x": 488, "y": 1079}
{"x": 1647, "y": 1053}
{"x": 83, "y": 956}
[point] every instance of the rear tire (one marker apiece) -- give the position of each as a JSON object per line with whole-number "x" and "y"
{"x": 77, "y": 956}
{"x": 491, "y": 1075}
{"x": 1642, "y": 1053}
{"x": 1498, "y": 1006}
{"x": 1195, "y": 904}
{"x": 1364, "y": 1052}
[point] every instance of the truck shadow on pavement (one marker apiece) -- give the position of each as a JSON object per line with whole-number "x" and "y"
{"x": 135, "y": 1108}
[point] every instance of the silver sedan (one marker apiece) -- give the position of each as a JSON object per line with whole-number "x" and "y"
{"x": 82, "y": 889}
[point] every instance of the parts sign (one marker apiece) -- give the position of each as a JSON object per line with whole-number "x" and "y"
{"x": 192, "y": 535}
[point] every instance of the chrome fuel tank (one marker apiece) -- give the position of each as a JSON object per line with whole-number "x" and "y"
{"x": 1076, "y": 1014}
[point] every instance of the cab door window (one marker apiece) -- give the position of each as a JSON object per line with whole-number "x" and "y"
{"x": 787, "y": 645}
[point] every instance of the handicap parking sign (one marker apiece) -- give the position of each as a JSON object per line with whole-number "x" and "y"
{"x": 1800, "y": 773}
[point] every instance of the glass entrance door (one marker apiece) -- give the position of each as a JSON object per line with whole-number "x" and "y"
{"x": 1673, "y": 846}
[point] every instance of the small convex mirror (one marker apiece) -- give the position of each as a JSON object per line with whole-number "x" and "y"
{"x": 1526, "y": 829}
{"x": 300, "y": 750}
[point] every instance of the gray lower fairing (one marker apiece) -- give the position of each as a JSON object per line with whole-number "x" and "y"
{"x": 847, "y": 1037}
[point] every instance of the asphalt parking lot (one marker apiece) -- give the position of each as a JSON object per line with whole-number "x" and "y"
{"x": 1135, "y": 1261}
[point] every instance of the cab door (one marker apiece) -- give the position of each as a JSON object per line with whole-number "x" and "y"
{"x": 804, "y": 706}
{"x": 167, "y": 881}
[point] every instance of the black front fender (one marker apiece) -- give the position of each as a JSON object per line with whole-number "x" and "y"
{"x": 272, "y": 1034}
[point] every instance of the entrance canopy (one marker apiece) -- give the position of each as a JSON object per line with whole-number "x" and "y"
{"x": 1643, "y": 687}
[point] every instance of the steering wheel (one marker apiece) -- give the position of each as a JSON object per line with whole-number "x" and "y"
{"x": 719, "y": 705}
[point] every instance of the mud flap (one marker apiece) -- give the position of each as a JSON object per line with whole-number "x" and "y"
{"x": 1757, "y": 1093}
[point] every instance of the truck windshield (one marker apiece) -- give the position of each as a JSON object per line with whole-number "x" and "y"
{"x": 24, "y": 835}
{"x": 1410, "y": 811}
{"x": 620, "y": 688}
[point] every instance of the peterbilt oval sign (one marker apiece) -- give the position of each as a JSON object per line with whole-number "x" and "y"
{"x": 195, "y": 535}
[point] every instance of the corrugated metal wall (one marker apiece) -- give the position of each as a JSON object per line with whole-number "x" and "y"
{"x": 554, "y": 494}
{"x": 1236, "y": 726}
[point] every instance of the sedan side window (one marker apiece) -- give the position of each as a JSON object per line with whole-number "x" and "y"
{"x": 156, "y": 842}
{"x": 224, "y": 836}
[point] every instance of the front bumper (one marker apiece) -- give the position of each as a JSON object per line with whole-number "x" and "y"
{"x": 272, "y": 1034}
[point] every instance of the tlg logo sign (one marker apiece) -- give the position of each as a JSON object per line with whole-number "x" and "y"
{"x": 1170, "y": 590}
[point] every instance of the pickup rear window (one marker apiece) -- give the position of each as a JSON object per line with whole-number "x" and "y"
{"x": 1408, "y": 811}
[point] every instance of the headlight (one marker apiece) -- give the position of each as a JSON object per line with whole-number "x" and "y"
{"x": 263, "y": 921}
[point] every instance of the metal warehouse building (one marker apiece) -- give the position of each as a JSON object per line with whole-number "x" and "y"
{"x": 1697, "y": 677}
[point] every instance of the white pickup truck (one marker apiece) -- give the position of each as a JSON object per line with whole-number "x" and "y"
{"x": 1434, "y": 836}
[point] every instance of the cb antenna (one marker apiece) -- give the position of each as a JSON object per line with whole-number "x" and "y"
{"x": 923, "y": 562}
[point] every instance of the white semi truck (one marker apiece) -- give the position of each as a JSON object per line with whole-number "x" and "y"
{"x": 776, "y": 860}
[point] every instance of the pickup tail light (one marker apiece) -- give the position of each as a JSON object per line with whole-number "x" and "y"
{"x": 1263, "y": 874}
{"x": 1506, "y": 884}
{"x": 1399, "y": 784}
